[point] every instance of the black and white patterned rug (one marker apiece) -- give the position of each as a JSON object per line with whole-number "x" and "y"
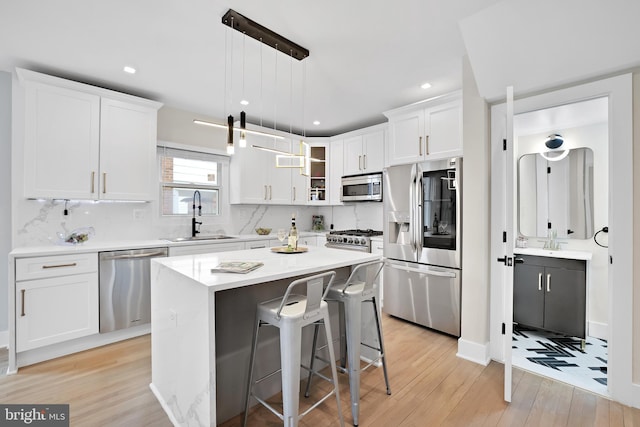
{"x": 562, "y": 358}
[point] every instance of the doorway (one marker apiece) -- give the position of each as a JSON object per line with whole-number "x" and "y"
{"x": 618, "y": 260}
{"x": 566, "y": 195}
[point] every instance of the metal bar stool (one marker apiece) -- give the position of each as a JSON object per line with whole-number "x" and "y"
{"x": 358, "y": 288}
{"x": 290, "y": 314}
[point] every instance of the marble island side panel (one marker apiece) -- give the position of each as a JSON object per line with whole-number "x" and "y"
{"x": 202, "y": 326}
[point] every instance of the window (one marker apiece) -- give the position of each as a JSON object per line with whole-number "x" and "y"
{"x": 183, "y": 172}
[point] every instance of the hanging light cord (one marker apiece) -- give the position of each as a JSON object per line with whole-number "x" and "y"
{"x": 291, "y": 92}
{"x": 602, "y": 230}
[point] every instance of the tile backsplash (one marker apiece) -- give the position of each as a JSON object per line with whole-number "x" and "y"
{"x": 37, "y": 222}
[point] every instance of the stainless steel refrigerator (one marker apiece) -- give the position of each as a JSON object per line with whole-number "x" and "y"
{"x": 422, "y": 233}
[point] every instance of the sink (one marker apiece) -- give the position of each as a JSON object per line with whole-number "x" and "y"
{"x": 198, "y": 238}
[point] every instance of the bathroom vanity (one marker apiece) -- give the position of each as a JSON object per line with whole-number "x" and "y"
{"x": 550, "y": 290}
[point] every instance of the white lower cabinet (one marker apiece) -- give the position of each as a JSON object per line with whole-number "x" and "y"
{"x": 56, "y": 309}
{"x": 205, "y": 249}
{"x": 259, "y": 244}
{"x": 308, "y": 241}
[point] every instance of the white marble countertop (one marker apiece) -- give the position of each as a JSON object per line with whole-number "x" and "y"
{"x": 100, "y": 246}
{"x": 560, "y": 253}
{"x": 276, "y": 265}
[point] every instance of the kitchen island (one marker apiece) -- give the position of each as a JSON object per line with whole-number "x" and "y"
{"x": 202, "y": 324}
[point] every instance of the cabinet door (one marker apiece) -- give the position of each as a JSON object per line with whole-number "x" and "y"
{"x": 528, "y": 295}
{"x": 248, "y": 173}
{"x": 279, "y": 179}
{"x": 61, "y": 147}
{"x": 308, "y": 241}
{"x": 53, "y": 310}
{"x": 336, "y": 171}
{"x": 373, "y": 157}
{"x": 444, "y": 131}
{"x": 353, "y": 156}
{"x": 565, "y": 301}
{"x": 406, "y": 134}
{"x": 257, "y": 244}
{"x": 205, "y": 249}
{"x": 127, "y": 151}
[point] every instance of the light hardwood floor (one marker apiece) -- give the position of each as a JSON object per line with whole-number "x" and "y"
{"x": 109, "y": 386}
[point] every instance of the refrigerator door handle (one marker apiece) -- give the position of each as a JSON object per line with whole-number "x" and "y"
{"x": 412, "y": 210}
{"x": 418, "y": 214}
{"x": 426, "y": 271}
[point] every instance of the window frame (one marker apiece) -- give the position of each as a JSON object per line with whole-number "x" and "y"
{"x": 168, "y": 149}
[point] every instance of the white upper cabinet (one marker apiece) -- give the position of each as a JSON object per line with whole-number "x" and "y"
{"x": 254, "y": 176}
{"x": 127, "y": 150}
{"x": 62, "y": 142}
{"x": 428, "y": 130}
{"x": 336, "y": 156}
{"x": 84, "y": 142}
{"x": 318, "y": 181}
{"x": 364, "y": 153}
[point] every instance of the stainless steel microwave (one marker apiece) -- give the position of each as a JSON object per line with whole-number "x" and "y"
{"x": 362, "y": 188}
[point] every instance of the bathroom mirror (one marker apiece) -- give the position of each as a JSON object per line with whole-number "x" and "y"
{"x": 556, "y": 195}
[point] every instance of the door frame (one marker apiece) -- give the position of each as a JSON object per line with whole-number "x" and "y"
{"x": 619, "y": 91}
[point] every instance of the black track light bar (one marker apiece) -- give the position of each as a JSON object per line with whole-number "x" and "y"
{"x": 254, "y": 30}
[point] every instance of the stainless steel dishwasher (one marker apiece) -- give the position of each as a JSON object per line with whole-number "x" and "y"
{"x": 125, "y": 291}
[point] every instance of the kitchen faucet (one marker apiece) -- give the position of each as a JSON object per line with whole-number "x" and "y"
{"x": 194, "y": 223}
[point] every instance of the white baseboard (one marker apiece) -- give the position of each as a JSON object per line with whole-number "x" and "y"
{"x": 598, "y": 330}
{"x": 635, "y": 395}
{"x": 4, "y": 339}
{"x": 474, "y": 352}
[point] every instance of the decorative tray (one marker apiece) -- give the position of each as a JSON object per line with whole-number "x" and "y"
{"x": 287, "y": 250}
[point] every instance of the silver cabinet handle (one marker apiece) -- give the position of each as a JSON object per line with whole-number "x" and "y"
{"x": 22, "y": 314}
{"x": 420, "y": 146}
{"x": 270, "y": 192}
{"x": 73, "y": 264}
{"x": 265, "y": 192}
{"x": 359, "y": 162}
{"x": 549, "y": 282}
{"x": 539, "y": 281}
{"x": 426, "y": 145}
{"x": 294, "y": 194}
{"x": 104, "y": 183}
{"x": 93, "y": 182}
{"x": 364, "y": 162}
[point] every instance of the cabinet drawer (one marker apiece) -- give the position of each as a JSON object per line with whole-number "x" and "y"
{"x": 53, "y": 266}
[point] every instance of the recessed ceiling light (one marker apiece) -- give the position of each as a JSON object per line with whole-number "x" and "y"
{"x": 316, "y": 122}
{"x": 425, "y": 85}
{"x": 244, "y": 102}
{"x": 129, "y": 70}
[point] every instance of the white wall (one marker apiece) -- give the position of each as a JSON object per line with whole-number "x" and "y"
{"x": 473, "y": 343}
{"x": 5, "y": 196}
{"x": 592, "y": 136}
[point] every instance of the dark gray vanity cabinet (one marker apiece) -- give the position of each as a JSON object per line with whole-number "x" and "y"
{"x": 550, "y": 293}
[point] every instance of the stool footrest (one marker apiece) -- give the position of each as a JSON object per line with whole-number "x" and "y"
{"x": 269, "y": 407}
{"x": 267, "y": 376}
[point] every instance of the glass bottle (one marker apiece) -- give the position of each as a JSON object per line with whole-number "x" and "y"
{"x": 434, "y": 230}
{"x": 293, "y": 234}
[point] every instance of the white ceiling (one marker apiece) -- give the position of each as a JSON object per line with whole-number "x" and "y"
{"x": 365, "y": 56}
{"x": 536, "y": 45}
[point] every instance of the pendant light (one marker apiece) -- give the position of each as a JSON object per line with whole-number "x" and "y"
{"x": 243, "y": 117}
